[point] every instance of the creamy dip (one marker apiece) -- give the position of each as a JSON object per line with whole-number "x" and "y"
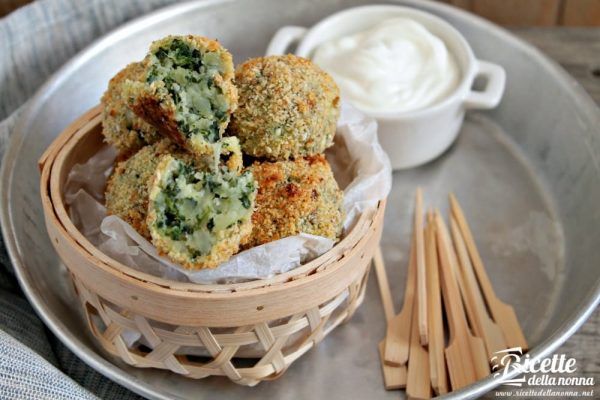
{"x": 395, "y": 66}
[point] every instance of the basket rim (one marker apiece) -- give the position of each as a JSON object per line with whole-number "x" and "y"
{"x": 218, "y": 309}
{"x": 51, "y": 183}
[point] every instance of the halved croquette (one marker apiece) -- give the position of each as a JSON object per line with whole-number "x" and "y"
{"x": 127, "y": 189}
{"x": 197, "y": 218}
{"x": 187, "y": 91}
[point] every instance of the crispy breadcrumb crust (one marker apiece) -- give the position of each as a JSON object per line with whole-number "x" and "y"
{"x": 157, "y": 106}
{"x": 287, "y": 107}
{"x": 128, "y": 186}
{"x": 294, "y": 197}
{"x": 121, "y": 127}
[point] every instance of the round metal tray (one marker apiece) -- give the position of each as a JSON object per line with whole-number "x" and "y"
{"x": 527, "y": 173}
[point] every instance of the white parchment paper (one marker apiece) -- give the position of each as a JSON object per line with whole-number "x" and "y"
{"x": 361, "y": 168}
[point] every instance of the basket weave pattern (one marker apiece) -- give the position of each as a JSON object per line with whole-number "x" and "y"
{"x": 108, "y": 323}
{"x": 247, "y": 332}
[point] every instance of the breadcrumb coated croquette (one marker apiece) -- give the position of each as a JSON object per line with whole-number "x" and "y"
{"x": 187, "y": 91}
{"x": 127, "y": 188}
{"x": 126, "y": 192}
{"x": 120, "y": 125}
{"x": 287, "y": 107}
{"x": 199, "y": 218}
{"x": 294, "y": 197}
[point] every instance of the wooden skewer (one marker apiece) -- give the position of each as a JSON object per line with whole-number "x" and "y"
{"x": 502, "y": 313}
{"x": 454, "y": 269}
{"x": 437, "y": 362}
{"x": 459, "y": 354}
{"x": 483, "y": 326}
{"x": 431, "y": 310}
{"x": 418, "y": 384}
{"x": 421, "y": 273}
{"x": 397, "y": 339}
{"x": 480, "y": 358}
{"x": 394, "y": 377}
{"x": 384, "y": 286}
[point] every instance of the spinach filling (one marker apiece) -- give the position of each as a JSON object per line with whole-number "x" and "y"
{"x": 189, "y": 77}
{"x": 193, "y": 207}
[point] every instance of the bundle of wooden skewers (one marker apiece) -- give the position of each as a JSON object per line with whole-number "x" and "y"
{"x": 434, "y": 346}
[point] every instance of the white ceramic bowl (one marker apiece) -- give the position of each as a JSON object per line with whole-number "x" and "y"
{"x": 416, "y": 137}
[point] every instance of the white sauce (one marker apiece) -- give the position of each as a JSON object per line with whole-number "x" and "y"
{"x": 395, "y": 66}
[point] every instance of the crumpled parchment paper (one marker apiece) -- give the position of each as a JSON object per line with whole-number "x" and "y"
{"x": 360, "y": 166}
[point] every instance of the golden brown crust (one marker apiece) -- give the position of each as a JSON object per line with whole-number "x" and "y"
{"x": 152, "y": 108}
{"x": 121, "y": 127}
{"x": 294, "y": 197}
{"x": 127, "y": 187}
{"x": 287, "y": 107}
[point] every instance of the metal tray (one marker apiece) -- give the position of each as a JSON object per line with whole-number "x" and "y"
{"x": 527, "y": 173}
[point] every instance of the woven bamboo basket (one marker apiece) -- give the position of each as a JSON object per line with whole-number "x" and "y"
{"x": 202, "y": 330}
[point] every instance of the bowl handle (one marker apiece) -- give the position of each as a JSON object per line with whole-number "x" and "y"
{"x": 284, "y": 38}
{"x": 490, "y": 95}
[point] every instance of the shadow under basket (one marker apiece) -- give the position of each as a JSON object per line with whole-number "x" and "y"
{"x": 249, "y": 332}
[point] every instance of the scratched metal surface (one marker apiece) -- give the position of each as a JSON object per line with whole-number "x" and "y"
{"x": 528, "y": 176}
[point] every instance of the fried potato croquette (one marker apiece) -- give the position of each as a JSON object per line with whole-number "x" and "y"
{"x": 198, "y": 218}
{"x": 287, "y": 108}
{"x": 187, "y": 91}
{"x": 127, "y": 188}
{"x": 121, "y": 127}
{"x": 295, "y": 197}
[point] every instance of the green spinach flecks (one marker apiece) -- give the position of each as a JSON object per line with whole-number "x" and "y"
{"x": 189, "y": 77}
{"x": 195, "y": 207}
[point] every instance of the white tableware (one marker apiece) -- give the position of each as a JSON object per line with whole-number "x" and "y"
{"x": 415, "y": 137}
